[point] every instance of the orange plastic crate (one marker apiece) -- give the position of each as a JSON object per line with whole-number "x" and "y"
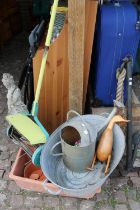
{"x": 17, "y": 174}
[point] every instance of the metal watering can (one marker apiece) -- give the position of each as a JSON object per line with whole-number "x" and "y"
{"x": 78, "y": 143}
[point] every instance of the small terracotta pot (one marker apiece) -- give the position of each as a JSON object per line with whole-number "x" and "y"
{"x": 33, "y": 172}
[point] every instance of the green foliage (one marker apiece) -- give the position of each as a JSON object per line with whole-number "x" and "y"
{"x": 112, "y": 202}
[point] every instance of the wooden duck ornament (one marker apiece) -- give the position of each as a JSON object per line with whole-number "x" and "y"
{"x": 104, "y": 148}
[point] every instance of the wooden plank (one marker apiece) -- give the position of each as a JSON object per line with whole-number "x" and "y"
{"x": 53, "y": 101}
{"x": 91, "y": 12}
{"x": 76, "y": 37}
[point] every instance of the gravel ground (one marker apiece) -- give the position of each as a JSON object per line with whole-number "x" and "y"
{"x": 118, "y": 193}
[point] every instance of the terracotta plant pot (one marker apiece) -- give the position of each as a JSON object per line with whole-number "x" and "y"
{"x": 33, "y": 172}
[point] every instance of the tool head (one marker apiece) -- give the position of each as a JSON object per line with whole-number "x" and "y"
{"x": 27, "y": 128}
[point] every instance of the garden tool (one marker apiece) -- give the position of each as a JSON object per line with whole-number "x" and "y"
{"x": 133, "y": 139}
{"x": 105, "y": 144}
{"x": 136, "y": 151}
{"x": 26, "y": 79}
{"x": 28, "y": 125}
{"x": 129, "y": 66}
{"x": 33, "y": 152}
{"x": 17, "y": 139}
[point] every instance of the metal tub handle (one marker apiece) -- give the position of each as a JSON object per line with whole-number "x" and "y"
{"x": 52, "y": 150}
{"x": 83, "y": 122}
{"x": 48, "y": 190}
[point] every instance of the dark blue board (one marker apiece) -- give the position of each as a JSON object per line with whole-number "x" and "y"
{"x": 117, "y": 37}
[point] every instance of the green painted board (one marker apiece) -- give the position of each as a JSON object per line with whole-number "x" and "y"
{"x": 27, "y": 128}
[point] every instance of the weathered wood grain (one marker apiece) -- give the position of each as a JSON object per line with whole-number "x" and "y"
{"x": 76, "y": 40}
{"x": 53, "y": 101}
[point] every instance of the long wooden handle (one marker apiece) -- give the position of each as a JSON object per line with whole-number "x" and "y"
{"x": 45, "y": 55}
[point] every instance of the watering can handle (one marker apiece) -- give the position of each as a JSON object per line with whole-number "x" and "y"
{"x": 83, "y": 122}
{"x": 52, "y": 149}
{"x": 48, "y": 190}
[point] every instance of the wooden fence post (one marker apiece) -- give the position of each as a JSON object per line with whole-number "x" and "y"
{"x": 76, "y": 38}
